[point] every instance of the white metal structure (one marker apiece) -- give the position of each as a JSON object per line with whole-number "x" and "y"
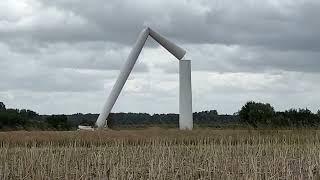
{"x": 185, "y": 95}
{"x": 86, "y": 128}
{"x": 185, "y": 98}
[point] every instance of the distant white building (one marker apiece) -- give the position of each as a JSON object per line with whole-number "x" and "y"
{"x": 87, "y": 128}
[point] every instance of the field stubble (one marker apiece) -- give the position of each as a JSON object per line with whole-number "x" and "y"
{"x": 161, "y": 154}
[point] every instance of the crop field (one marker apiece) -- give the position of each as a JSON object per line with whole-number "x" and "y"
{"x": 157, "y": 153}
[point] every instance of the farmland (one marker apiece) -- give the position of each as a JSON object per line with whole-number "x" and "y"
{"x": 156, "y": 153}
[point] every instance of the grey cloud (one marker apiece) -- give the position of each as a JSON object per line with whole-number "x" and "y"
{"x": 87, "y": 56}
{"x": 227, "y": 92}
{"x": 283, "y": 25}
{"x": 26, "y": 72}
{"x": 222, "y": 58}
{"x": 51, "y": 80}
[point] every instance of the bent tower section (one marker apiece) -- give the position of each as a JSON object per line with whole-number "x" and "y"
{"x": 122, "y": 78}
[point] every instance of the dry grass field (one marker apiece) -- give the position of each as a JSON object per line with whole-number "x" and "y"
{"x": 161, "y": 154}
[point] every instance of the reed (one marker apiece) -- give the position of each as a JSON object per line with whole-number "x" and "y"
{"x": 161, "y": 154}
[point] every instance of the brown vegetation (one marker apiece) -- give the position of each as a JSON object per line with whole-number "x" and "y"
{"x": 161, "y": 154}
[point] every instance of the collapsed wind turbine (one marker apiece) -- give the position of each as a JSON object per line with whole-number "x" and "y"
{"x": 185, "y": 94}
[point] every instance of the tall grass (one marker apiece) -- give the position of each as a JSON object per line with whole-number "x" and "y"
{"x": 161, "y": 154}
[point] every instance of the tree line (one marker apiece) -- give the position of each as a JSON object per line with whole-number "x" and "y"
{"x": 16, "y": 119}
{"x": 259, "y": 114}
{"x": 253, "y": 114}
{"x": 127, "y": 120}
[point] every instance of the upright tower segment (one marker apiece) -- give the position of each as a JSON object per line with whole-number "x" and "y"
{"x": 185, "y": 95}
{"x": 185, "y": 86}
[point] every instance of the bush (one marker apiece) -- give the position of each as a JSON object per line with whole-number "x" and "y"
{"x": 58, "y": 122}
{"x": 256, "y": 113}
{"x": 2, "y": 106}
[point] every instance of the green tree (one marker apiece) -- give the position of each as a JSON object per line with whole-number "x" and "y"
{"x": 58, "y": 122}
{"x": 2, "y": 106}
{"x": 86, "y": 122}
{"x": 301, "y": 117}
{"x": 257, "y": 113}
{"x": 110, "y": 121}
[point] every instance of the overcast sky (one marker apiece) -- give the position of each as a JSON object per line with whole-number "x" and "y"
{"x": 63, "y": 56}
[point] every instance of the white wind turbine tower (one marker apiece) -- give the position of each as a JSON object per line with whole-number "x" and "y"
{"x": 185, "y": 94}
